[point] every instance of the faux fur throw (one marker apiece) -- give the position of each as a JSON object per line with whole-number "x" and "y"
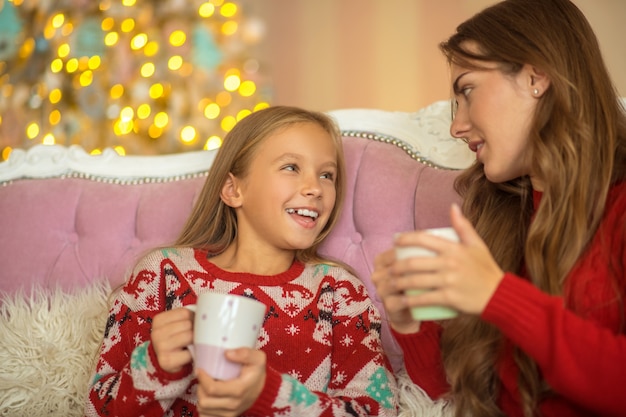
{"x": 48, "y": 344}
{"x": 414, "y": 402}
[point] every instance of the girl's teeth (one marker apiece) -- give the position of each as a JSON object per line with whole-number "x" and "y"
{"x": 303, "y": 212}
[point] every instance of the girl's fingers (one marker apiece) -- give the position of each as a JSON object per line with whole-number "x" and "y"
{"x": 174, "y": 340}
{"x": 174, "y": 335}
{"x": 169, "y": 316}
{"x": 172, "y": 332}
{"x": 173, "y": 361}
{"x": 217, "y": 389}
{"x": 233, "y": 397}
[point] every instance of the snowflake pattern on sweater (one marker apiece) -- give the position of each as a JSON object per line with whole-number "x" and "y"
{"x": 321, "y": 335}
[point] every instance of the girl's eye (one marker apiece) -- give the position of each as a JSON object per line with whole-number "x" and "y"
{"x": 290, "y": 168}
{"x": 328, "y": 176}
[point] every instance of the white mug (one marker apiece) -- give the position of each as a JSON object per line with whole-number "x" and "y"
{"x": 403, "y": 252}
{"x": 223, "y": 322}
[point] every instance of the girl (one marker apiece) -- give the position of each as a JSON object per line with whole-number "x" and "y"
{"x": 540, "y": 273}
{"x": 272, "y": 195}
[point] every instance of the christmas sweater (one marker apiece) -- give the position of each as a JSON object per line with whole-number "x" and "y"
{"x": 578, "y": 340}
{"x": 321, "y": 335}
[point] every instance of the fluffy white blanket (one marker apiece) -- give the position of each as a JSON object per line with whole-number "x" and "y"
{"x": 48, "y": 344}
{"x": 414, "y": 402}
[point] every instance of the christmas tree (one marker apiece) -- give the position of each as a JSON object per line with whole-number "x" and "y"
{"x": 139, "y": 76}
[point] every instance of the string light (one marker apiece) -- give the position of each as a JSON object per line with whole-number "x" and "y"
{"x": 212, "y": 143}
{"x": 110, "y": 78}
{"x": 32, "y": 131}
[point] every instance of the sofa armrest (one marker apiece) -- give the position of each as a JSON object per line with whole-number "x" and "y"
{"x": 46, "y": 161}
{"x": 423, "y": 134}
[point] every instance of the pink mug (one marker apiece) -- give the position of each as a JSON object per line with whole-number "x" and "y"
{"x": 223, "y": 322}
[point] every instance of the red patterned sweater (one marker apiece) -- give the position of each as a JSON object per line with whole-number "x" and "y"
{"x": 578, "y": 340}
{"x": 321, "y": 335}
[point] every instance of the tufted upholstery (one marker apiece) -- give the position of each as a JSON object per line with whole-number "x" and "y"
{"x": 389, "y": 192}
{"x": 71, "y": 230}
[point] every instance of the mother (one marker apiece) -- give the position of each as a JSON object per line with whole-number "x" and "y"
{"x": 539, "y": 275}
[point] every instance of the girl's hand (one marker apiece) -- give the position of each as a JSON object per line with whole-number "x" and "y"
{"x": 462, "y": 275}
{"x": 231, "y": 398}
{"x": 172, "y": 332}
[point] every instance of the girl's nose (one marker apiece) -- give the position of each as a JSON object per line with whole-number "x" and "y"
{"x": 312, "y": 186}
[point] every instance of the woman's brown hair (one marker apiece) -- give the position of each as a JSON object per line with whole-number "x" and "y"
{"x": 578, "y": 147}
{"x": 212, "y": 225}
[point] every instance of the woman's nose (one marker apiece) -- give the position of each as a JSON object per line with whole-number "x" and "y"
{"x": 460, "y": 125}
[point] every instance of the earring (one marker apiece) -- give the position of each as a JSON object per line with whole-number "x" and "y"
{"x": 535, "y": 91}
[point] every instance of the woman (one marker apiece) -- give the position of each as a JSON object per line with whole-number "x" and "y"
{"x": 539, "y": 277}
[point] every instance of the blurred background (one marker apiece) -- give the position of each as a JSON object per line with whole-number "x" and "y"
{"x": 164, "y": 76}
{"x": 329, "y": 54}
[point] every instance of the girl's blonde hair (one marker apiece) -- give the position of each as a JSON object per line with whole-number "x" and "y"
{"x": 212, "y": 224}
{"x": 577, "y": 143}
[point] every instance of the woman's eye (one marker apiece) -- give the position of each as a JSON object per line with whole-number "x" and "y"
{"x": 454, "y": 106}
{"x": 466, "y": 90}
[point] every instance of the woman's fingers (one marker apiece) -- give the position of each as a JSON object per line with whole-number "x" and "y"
{"x": 393, "y": 297}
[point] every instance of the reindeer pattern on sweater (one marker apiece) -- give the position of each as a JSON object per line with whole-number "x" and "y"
{"x": 321, "y": 335}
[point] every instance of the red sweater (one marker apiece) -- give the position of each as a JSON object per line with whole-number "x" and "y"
{"x": 321, "y": 335}
{"x": 578, "y": 340}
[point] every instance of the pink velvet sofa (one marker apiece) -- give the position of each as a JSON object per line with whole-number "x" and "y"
{"x": 71, "y": 225}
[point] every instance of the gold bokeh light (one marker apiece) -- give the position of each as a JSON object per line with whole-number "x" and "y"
{"x": 128, "y": 25}
{"x": 58, "y": 20}
{"x": 175, "y": 77}
{"x": 32, "y": 130}
{"x": 178, "y": 38}
{"x": 111, "y": 38}
{"x": 228, "y": 9}
{"x": 206, "y": 10}
{"x": 139, "y": 41}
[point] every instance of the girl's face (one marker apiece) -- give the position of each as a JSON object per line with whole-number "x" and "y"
{"x": 289, "y": 191}
{"x": 494, "y": 112}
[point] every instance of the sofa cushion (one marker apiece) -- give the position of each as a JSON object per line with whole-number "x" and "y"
{"x": 66, "y": 232}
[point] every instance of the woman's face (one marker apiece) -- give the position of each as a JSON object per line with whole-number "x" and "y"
{"x": 494, "y": 113}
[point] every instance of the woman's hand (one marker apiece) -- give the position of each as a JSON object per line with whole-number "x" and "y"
{"x": 172, "y": 332}
{"x": 231, "y": 398}
{"x": 462, "y": 275}
{"x": 394, "y": 300}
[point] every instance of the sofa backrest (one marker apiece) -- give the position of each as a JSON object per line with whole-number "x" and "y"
{"x": 68, "y": 219}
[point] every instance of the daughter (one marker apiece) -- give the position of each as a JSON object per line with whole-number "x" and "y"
{"x": 273, "y": 193}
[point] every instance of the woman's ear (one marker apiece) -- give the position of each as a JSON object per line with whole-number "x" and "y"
{"x": 230, "y": 195}
{"x": 538, "y": 80}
